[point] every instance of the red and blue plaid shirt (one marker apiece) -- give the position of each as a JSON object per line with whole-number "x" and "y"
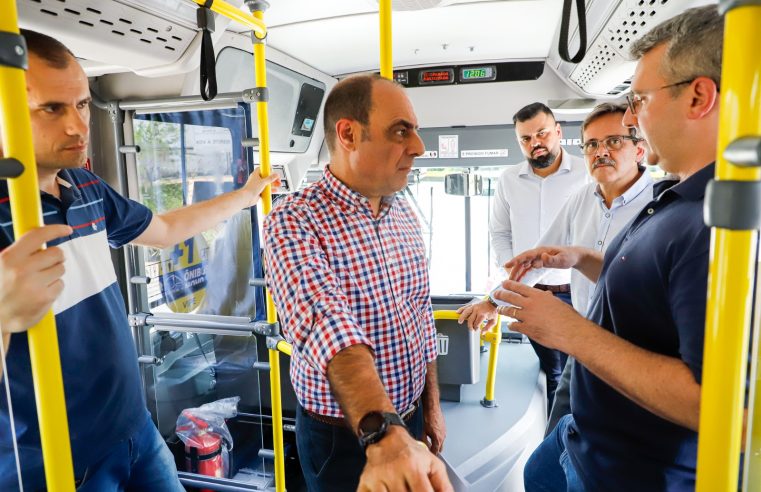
{"x": 341, "y": 277}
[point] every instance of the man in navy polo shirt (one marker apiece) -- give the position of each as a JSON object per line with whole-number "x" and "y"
{"x": 635, "y": 391}
{"x": 115, "y": 445}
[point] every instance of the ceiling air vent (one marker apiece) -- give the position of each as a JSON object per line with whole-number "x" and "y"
{"x": 108, "y": 32}
{"x": 607, "y": 68}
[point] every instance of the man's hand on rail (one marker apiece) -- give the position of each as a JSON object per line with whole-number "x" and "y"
{"x": 256, "y": 184}
{"x": 30, "y": 278}
{"x": 478, "y": 315}
{"x": 399, "y": 463}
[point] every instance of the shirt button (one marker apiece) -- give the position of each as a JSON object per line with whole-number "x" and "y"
{"x": 95, "y": 227}
{"x": 650, "y": 211}
{"x": 599, "y": 242}
{"x": 607, "y": 216}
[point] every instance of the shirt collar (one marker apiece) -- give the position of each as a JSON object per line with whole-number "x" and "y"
{"x": 565, "y": 164}
{"x": 352, "y": 201}
{"x": 63, "y": 179}
{"x": 693, "y": 188}
{"x": 642, "y": 183}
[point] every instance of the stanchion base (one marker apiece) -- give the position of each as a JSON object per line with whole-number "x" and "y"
{"x": 489, "y": 403}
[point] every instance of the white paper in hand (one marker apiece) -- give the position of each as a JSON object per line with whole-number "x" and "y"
{"x": 530, "y": 278}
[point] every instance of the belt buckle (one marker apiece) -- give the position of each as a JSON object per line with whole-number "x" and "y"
{"x": 408, "y": 413}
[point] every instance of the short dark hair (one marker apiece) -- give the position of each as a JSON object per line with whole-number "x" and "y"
{"x": 533, "y": 109}
{"x": 54, "y": 52}
{"x": 604, "y": 109}
{"x": 350, "y": 98}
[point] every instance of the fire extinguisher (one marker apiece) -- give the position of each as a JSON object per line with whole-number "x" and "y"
{"x": 203, "y": 450}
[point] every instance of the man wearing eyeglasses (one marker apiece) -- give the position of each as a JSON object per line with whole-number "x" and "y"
{"x": 635, "y": 388}
{"x": 593, "y": 215}
{"x": 529, "y": 196}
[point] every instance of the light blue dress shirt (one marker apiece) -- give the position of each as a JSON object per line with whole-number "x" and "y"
{"x": 586, "y": 221}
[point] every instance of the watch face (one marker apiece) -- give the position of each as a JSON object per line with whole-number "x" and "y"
{"x": 371, "y": 423}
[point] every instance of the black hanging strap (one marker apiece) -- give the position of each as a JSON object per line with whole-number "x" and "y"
{"x": 565, "y": 21}
{"x": 205, "y": 19}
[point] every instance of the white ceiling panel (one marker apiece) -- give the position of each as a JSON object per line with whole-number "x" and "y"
{"x": 344, "y": 41}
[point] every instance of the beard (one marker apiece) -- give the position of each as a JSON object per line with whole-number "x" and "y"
{"x": 543, "y": 161}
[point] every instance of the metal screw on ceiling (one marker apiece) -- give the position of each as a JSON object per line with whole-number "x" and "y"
{"x": 444, "y": 46}
{"x": 417, "y": 50}
{"x": 472, "y": 49}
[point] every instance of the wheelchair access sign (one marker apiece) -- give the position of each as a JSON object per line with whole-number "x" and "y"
{"x": 182, "y": 275}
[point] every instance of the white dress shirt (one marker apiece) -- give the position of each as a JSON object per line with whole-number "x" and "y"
{"x": 526, "y": 204}
{"x": 586, "y": 221}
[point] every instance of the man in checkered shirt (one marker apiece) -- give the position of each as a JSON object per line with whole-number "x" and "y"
{"x": 347, "y": 269}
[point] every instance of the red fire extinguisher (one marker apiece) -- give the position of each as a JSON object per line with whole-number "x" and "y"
{"x": 203, "y": 450}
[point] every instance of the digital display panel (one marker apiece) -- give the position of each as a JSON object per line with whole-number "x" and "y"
{"x": 436, "y": 77}
{"x": 478, "y": 74}
{"x": 402, "y": 77}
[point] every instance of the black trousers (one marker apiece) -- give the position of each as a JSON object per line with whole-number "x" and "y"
{"x": 330, "y": 455}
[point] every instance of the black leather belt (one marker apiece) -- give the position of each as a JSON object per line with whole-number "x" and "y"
{"x": 555, "y": 289}
{"x": 325, "y": 419}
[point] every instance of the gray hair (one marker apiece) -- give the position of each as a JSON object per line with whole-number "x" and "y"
{"x": 694, "y": 42}
{"x": 603, "y": 109}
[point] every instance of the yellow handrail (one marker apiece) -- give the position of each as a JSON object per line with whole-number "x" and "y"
{"x": 225, "y": 9}
{"x": 256, "y": 22}
{"x": 285, "y": 347}
{"x": 731, "y": 269}
{"x": 386, "y": 61}
{"x": 26, "y": 210}
{"x": 493, "y": 337}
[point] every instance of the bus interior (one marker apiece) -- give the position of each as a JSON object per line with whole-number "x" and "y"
{"x": 198, "y": 309}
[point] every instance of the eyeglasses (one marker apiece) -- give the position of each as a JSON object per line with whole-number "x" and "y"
{"x": 614, "y": 142}
{"x": 635, "y": 101}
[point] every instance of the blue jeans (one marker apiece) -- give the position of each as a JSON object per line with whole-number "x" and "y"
{"x": 549, "y": 468}
{"x": 141, "y": 462}
{"x": 330, "y": 455}
{"x": 551, "y": 361}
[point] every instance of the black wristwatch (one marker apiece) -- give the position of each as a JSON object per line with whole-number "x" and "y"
{"x": 374, "y": 425}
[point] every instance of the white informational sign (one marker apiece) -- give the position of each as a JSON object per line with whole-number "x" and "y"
{"x": 449, "y": 146}
{"x": 428, "y": 154}
{"x": 469, "y": 154}
{"x": 570, "y": 141}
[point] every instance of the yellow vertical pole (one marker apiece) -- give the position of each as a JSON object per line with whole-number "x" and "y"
{"x": 26, "y": 210}
{"x": 731, "y": 269}
{"x": 262, "y": 117}
{"x": 386, "y": 61}
{"x": 752, "y": 477}
{"x": 494, "y": 337}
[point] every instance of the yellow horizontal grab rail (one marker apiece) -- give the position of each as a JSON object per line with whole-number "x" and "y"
{"x": 285, "y": 347}
{"x": 26, "y": 210}
{"x": 446, "y": 314}
{"x": 225, "y": 9}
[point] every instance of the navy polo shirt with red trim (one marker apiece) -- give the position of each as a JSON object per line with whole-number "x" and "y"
{"x": 104, "y": 399}
{"x": 651, "y": 292}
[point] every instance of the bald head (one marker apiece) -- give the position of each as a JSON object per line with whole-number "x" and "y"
{"x": 351, "y": 98}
